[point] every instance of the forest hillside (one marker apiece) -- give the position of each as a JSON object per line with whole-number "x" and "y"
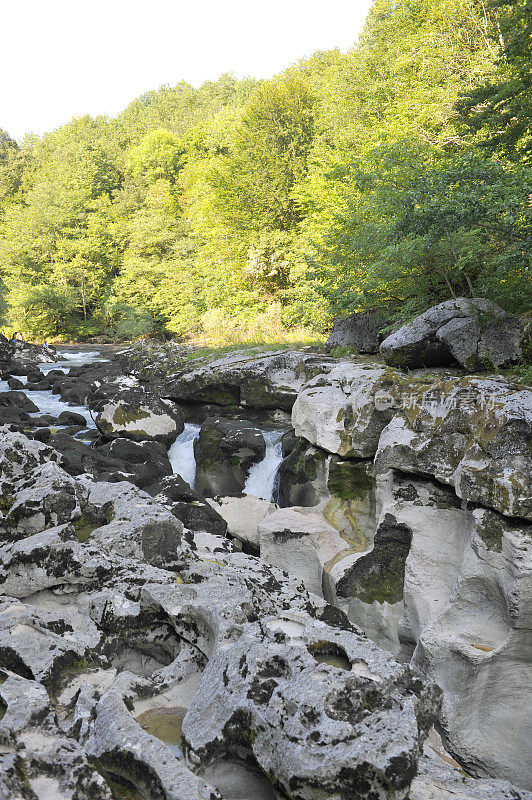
{"x": 391, "y": 177}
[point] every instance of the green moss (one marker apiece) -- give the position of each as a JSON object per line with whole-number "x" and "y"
{"x": 125, "y": 415}
{"x": 220, "y": 397}
{"x": 6, "y": 501}
{"x": 341, "y": 351}
{"x": 66, "y": 673}
{"x": 383, "y": 586}
{"x": 491, "y": 533}
{"x": 379, "y": 575}
{"x": 84, "y": 527}
{"x": 476, "y": 363}
{"x": 259, "y": 393}
{"x": 348, "y": 480}
{"x": 209, "y": 443}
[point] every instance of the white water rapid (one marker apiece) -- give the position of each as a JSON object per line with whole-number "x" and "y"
{"x": 49, "y": 403}
{"x": 181, "y": 454}
{"x": 261, "y": 478}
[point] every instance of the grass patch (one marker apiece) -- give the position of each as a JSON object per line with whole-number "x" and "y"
{"x": 199, "y": 348}
{"x": 521, "y": 370}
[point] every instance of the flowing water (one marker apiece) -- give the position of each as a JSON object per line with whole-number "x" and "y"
{"x": 181, "y": 454}
{"x": 71, "y": 358}
{"x": 261, "y": 478}
{"x": 49, "y": 403}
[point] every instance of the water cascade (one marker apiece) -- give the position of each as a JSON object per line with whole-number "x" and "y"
{"x": 181, "y": 454}
{"x": 261, "y": 478}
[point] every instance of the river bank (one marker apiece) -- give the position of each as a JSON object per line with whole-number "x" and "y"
{"x": 335, "y": 554}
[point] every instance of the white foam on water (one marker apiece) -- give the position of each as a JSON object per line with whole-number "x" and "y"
{"x": 261, "y": 479}
{"x": 181, "y": 454}
{"x": 74, "y": 358}
{"x": 49, "y": 403}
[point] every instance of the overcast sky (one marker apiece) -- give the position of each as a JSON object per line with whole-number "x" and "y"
{"x": 62, "y": 58}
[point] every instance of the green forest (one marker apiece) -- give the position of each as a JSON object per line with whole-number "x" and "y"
{"x": 389, "y": 178}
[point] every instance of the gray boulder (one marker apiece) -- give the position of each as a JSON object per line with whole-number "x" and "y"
{"x": 36, "y": 759}
{"x": 15, "y": 408}
{"x": 265, "y": 381}
{"x": 301, "y": 542}
{"x": 136, "y": 526}
{"x": 242, "y": 516}
{"x": 470, "y": 433}
{"x": 138, "y": 415}
{"x": 303, "y": 698}
{"x": 475, "y": 334}
{"x": 123, "y": 748}
{"x": 360, "y": 331}
{"x": 188, "y": 505}
{"x": 342, "y": 412}
{"x": 225, "y": 450}
{"x": 439, "y": 779}
{"x": 45, "y": 499}
{"x": 303, "y": 475}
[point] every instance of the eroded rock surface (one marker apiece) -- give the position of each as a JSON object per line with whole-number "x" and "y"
{"x": 361, "y": 331}
{"x": 109, "y": 610}
{"x": 155, "y": 655}
{"x": 140, "y": 415}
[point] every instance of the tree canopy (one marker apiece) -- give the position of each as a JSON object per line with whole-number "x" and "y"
{"x": 390, "y": 177}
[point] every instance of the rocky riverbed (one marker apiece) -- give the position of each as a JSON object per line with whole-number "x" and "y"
{"x": 282, "y": 575}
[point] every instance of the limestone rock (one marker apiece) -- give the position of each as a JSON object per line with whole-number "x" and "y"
{"x": 20, "y": 455}
{"x": 438, "y": 780}
{"x": 224, "y": 451}
{"x": 45, "y": 499}
{"x": 301, "y": 543}
{"x": 188, "y": 505}
{"x": 142, "y": 463}
{"x": 360, "y": 331}
{"x": 472, "y": 434}
{"x": 15, "y": 408}
{"x": 124, "y": 748}
{"x": 452, "y": 585}
{"x": 267, "y": 381}
{"x": 474, "y": 333}
{"x": 478, "y": 647}
{"x": 301, "y": 696}
{"x": 136, "y": 526}
{"x": 345, "y": 411}
{"x": 30, "y": 645}
{"x": 303, "y": 475}
{"x": 243, "y": 515}
{"x": 140, "y": 415}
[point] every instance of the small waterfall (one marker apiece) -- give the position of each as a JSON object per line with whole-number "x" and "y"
{"x": 261, "y": 478}
{"x": 181, "y": 454}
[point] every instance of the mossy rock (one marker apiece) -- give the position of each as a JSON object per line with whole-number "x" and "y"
{"x": 126, "y": 415}
{"x": 379, "y": 575}
{"x": 349, "y": 480}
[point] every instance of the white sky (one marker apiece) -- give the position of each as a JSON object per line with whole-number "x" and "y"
{"x": 62, "y": 58}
